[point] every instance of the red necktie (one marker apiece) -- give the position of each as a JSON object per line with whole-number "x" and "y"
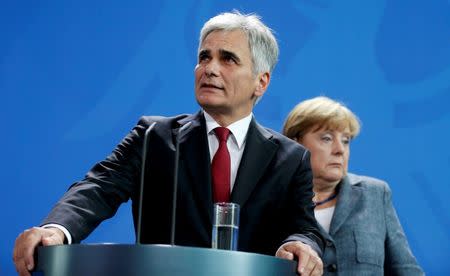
{"x": 220, "y": 167}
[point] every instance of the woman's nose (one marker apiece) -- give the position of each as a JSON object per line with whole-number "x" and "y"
{"x": 338, "y": 147}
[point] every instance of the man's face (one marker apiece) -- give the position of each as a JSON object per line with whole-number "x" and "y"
{"x": 224, "y": 81}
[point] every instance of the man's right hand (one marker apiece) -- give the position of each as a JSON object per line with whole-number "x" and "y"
{"x": 28, "y": 241}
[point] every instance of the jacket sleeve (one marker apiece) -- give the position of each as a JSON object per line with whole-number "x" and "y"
{"x": 108, "y": 184}
{"x": 399, "y": 259}
{"x": 307, "y": 229}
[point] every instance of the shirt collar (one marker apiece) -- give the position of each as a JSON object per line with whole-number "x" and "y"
{"x": 238, "y": 129}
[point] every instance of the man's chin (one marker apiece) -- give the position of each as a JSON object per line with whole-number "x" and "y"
{"x": 213, "y": 108}
{"x": 209, "y": 102}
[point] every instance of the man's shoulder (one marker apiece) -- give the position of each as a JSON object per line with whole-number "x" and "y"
{"x": 286, "y": 146}
{"x": 281, "y": 139}
{"x": 168, "y": 121}
{"x": 148, "y": 120}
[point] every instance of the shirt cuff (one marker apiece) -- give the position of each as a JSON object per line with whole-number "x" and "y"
{"x": 305, "y": 240}
{"x": 62, "y": 228}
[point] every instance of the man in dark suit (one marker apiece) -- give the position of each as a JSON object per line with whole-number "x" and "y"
{"x": 268, "y": 175}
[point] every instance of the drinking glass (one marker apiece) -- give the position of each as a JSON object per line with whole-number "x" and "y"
{"x": 225, "y": 226}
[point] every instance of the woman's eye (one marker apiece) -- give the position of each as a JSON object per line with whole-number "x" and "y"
{"x": 326, "y": 138}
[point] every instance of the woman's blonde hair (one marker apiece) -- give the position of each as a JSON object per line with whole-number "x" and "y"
{"x": 317, "y": 113}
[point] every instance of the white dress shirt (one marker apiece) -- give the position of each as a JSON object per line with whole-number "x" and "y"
{"x": 235, "y": 142}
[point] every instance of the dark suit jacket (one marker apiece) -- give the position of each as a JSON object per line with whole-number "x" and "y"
{"x": 273, "y": 187}
{"x": 366, "y": 237}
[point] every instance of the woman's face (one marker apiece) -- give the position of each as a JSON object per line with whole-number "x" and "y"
{"x": 330, "y": 150}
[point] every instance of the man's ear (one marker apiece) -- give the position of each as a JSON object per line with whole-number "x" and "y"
{"x": 263, "y": 83}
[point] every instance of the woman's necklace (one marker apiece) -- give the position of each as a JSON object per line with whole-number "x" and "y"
{"x": 330, "y": 198}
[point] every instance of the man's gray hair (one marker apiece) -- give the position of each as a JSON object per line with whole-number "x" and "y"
{"x": 262, "y": 43}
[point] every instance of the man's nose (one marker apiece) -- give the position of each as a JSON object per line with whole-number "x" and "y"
{"x": 211, "y": 69}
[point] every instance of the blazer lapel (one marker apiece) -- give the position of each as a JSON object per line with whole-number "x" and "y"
{"x": 349, "y": 196}
{"x": 259, "y": 151}
{"x": 194, "y": 153}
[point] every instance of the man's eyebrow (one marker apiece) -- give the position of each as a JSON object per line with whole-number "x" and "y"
{"x": 204, "y": 52}
{"x": 225, "y": 53}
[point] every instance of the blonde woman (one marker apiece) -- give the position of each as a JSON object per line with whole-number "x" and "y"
{"x": 363, "y": 232}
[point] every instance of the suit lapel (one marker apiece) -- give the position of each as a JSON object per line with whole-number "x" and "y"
{"x": 349, "y": 196}
{"x": 195, "y": 155}
{"x": 259, "y": 151}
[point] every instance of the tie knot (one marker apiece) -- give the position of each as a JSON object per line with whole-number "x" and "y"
{"x": 222, "y": 133}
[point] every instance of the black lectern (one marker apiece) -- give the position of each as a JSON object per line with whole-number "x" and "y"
{"x": 130, "y": 259}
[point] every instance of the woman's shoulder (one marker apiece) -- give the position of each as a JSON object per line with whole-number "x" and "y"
{"x": 367, "y": 182}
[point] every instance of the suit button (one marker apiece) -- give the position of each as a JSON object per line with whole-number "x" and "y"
{"x": 332, "y": 268}
{"x": 329, "y": 243}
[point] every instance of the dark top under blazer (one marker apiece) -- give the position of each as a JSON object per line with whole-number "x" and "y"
{"x": 273, "y": 186}
{"x": 366, "y": 237}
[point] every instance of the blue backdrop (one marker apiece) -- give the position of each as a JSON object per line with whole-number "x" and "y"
{"x": 75, "y": 77}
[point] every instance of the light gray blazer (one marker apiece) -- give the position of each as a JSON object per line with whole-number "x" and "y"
{"x": 366, "y": 237}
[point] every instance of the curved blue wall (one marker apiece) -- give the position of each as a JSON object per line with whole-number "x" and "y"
{"x": 76, "y": 76}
